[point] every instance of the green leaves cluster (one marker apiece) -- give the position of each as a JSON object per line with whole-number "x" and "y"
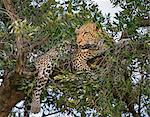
{"x": 23, "y": 29}
{"x": 133, "y": 15}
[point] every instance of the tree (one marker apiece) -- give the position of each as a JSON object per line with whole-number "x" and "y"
{"x": 26, "y": 29}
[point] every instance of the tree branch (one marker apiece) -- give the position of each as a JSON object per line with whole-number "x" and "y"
{"x": 9, "y": 6}
{"x": 9, "y": 96}
{"x": 144, "y": 22}
{"x": 10, "y": 10}
{"x": 38, "y": 43}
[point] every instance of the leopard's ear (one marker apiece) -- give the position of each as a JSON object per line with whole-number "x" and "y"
{"x": 100, "y": 30}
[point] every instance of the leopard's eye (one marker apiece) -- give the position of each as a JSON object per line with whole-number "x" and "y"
{"x": 87, "y": 33}
{"x": 87, "y": 46}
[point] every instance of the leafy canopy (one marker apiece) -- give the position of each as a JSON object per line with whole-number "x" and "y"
{"x": 110, "y": 89}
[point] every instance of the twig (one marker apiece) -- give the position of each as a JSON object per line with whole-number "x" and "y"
{"x": 38, "y": 43}
{"x": 11, "y": 10}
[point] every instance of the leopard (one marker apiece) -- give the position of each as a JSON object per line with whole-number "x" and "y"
{"x": 88, "y": 35}
{"x": 45, "y": 64}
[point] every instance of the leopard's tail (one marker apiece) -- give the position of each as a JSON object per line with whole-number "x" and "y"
{"x": 40, "y": 84}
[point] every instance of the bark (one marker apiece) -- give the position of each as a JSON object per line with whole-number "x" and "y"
{"x": 9, "y": 95}
{"x": 145, "y": 22}
{"x": 11, "y": 11}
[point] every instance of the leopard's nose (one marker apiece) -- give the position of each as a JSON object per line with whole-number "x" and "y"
{"x": 87, "y": 46}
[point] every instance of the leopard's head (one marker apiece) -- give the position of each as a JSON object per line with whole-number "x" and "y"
{"x": 88, "y": 35}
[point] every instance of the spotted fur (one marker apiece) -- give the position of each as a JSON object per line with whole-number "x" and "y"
{"x": 44, "y": 66}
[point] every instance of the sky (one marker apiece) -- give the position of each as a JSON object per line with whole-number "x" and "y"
{"x": 106, "y": 7}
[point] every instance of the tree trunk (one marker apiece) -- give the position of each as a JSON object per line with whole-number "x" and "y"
{"x": 9, "y": 95}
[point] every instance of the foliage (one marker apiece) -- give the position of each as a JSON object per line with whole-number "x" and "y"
{"x": 133, "y": 14}
{"x": 111, "y": 88}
